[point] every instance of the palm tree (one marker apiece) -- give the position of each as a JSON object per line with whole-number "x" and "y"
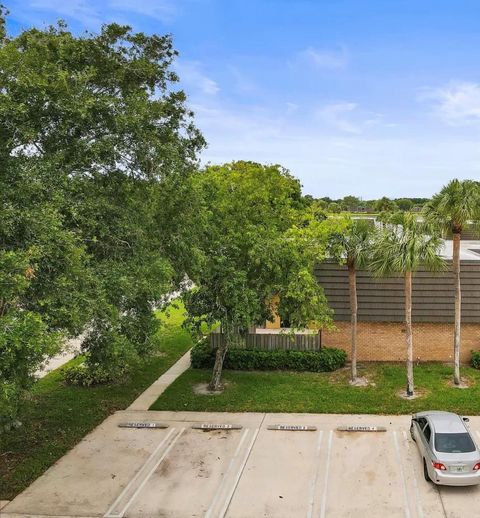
{"x": 402, "y": 249}
{"x": 352, "y": 248}
{"x": 457, "y": 204}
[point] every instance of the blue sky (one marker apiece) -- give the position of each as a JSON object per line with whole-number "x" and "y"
{"x": 363, "y": 97}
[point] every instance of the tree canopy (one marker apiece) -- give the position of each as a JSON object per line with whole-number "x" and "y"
{"x": 97, "y": 153}
{"x": 258, "y": 243}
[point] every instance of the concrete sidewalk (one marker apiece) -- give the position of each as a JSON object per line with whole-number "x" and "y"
{"x": 147, "y": 398}
{"x": 70, "y": 349}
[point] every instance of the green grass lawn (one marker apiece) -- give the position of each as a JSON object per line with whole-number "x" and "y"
{"x": 57, "y": 416}
{"x": 326, "y": 392}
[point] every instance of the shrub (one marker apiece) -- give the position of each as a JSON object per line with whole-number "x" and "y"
{"x": 86, "y": 375}
{"x": 108, "y": 358}
{"x": 25, "y": 343}
{"x": 475, "y": 359}
{"x": 324, "y": 360}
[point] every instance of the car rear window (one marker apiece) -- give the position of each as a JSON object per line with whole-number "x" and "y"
{"x": 454, "y": 443}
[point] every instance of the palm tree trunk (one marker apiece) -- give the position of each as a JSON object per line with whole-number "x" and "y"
{"x": 352, "y": 279}
{"x": 458, "y": 307}
{"x": 408, "y": 332}
{"x": 219, "y": 358}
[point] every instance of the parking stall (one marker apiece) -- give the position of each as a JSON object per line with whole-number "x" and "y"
{"x": 146, "y": 464}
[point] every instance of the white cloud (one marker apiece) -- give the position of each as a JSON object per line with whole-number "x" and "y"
{"x": 191, "y": 74}
{"x": 243, "y": 83}
{"x": 457, "y": 103}
{"x": 162, "y": 10}
{"x": 323, "y": 58}
{"x": 89, "y": 12}
{"x": 80, "y": 10}
{"x": 329, "y": 163}
{"x": 336, "y": 115}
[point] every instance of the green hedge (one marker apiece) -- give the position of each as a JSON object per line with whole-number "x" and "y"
{"x": 325, "y": 360}
{"x": 475, "y": 359}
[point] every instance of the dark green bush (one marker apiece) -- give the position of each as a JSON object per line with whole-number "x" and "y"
{"x": 475, "y": 359}
{"x": 85, "y": 375}
{"x": 325, "y": 360}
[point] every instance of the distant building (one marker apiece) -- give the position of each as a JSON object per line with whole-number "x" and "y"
{"x": 381, "y": 333}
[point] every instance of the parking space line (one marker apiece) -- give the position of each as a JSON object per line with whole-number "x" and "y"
{"x": 227, "y": 473}
{"x": 313, "y": 485}
{"x": 141, "y": 477}
{"x": 323, "y": 509}
{"x": 224, "y": 485}
{"x": 415, "y": 483}
{"x": 402, "y": 473}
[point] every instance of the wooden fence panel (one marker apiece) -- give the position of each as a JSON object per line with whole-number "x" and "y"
{"x": 270, "y": 341}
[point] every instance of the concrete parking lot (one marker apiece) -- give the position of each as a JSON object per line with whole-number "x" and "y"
{"x": 253, "y": 471}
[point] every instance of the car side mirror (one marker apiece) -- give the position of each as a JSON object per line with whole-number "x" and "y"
{"x": 466, "y": 419}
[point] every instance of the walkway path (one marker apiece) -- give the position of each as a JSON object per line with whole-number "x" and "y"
{"x": 70, "y": 350}
{"x": 147, "y": 398}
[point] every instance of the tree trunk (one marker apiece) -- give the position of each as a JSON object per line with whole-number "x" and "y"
{"x": 352, "y": 279}
{"x": 408, "y": 332}
{"x": 219, "y": 358}
{"x": 458, "y": 307}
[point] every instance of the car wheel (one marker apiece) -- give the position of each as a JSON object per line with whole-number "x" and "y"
{"x": 425, "y": 472}
{"x": 412, "y": 435}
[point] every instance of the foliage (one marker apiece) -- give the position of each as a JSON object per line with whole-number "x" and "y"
{"x": 385, "y": 205}
{"x": 24, "y": 345}
{"x": 324, "y": 360}
{"x": 334, "y": 207}
{"x": 97, "y": 154}
{"x": 109, "y": 357}
{"x": 475, "y": 360}
{"x": 258, "y": 242}
{"x": 302, "y": 300}
{"x": 404, "y": 204}
{"x": 352, "y": 246}
{"x": 351, "y": 203}
{"x": 454, "y": 206}
{"x": 451, "y": 210}
{"x": 402, "y": 248}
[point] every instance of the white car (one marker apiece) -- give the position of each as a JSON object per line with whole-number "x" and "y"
{"x": 449, "y": 454}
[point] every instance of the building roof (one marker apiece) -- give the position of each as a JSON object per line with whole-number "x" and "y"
{"x": 469, "y": 250}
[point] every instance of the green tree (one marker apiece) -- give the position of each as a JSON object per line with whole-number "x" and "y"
{"x": 404, "y": 204}
{"x": 401, "y": 250}
{"x": 351, "y": 203}
{"x": 385, "y": 205}
{"x": 334, "y": 207}
{"x": 450, "y": 210}
{"x": 253, "y": 252}
{"x": 97, "y": 155}
{"x": 353, "y": 248}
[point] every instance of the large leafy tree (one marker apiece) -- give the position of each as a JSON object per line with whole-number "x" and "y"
{"x": 255, "y": 247}
{"x": 353, "y": 248}
{"x": 451, "y": 210}
{"x": 97, "y": 155}
{"x": 400, "y": 249}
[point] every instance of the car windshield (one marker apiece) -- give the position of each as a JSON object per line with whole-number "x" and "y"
{"x": 454, "y": 443}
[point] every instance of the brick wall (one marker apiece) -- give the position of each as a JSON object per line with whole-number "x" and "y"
{"x": 385, "y": 341}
